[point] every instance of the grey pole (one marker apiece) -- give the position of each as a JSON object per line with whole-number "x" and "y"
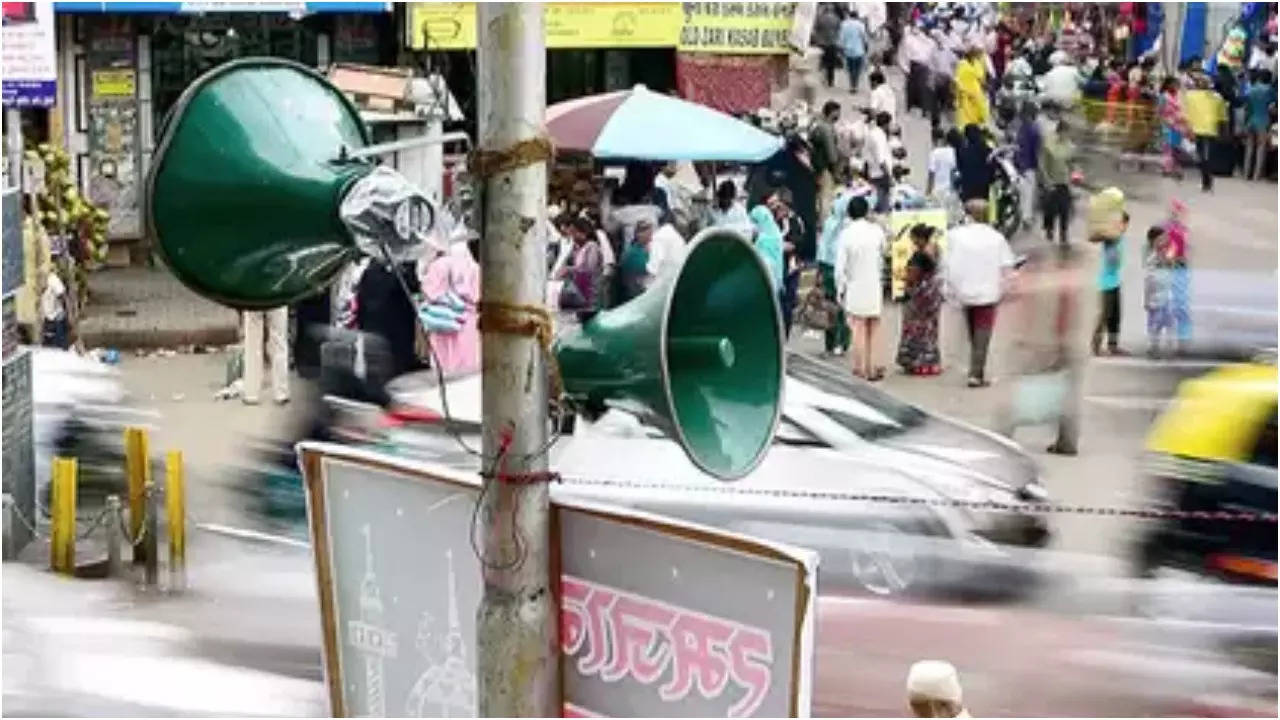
{"x": 151, "y": 526}
{"x": 115, "y": 529}
{"x": 517, "y": 641}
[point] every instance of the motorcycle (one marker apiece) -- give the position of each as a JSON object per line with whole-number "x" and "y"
{"x": 80, "y": 410}
{"x": 1006, "y": 192}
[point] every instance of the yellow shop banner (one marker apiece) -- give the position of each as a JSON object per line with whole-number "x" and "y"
{"x": 736, "y": 28}
{"x": 452, "y": 26}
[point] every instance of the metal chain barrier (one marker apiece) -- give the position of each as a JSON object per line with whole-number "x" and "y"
{"x": 26, "y": 522}
{"x": 97, "y": 523}
{"x": 981, "y": 506}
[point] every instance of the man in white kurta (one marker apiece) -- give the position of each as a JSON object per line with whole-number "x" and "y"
{"x": 859, "y": 264}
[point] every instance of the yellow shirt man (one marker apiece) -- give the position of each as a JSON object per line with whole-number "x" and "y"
{"x": 971, "y": 97}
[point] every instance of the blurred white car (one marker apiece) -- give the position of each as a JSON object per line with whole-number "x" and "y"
{"x": 839, "y": 442}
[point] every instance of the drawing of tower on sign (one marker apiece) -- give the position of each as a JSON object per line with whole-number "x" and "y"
{"x": 447, "y": 688}
{"x": 368, "y": 636}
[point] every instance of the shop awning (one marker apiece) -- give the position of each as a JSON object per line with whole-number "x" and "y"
{"x": 169, "y": 8}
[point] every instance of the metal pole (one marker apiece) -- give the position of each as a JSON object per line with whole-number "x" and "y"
{"x": 151, "y": 558}
{"x": 517, "y": 641}
{"x": 115, "y": 529}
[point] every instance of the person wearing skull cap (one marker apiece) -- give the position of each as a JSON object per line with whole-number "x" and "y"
{"x": 933, "y": 690}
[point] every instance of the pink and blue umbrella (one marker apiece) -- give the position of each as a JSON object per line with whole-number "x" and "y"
{"x": 642, "y": 125}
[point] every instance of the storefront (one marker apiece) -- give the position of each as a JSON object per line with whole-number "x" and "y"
{"x": 124, "y": 65}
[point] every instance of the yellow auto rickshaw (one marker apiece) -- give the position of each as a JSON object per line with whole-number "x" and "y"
{"x": 1212, "y": 455}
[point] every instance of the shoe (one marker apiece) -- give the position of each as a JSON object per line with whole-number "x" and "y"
{"x": 1059, "y": 449}
{"x": 978, "y": 383}
{"x": 282, "y": 401}
{"x": 249, "y": 401}
{"x": 1118, "y": 352}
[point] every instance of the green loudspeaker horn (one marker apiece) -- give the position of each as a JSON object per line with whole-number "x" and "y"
{"x": 252, "y": 192}
{"x": 701, "y": 352}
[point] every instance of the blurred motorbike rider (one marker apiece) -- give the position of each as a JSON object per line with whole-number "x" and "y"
{"x": 1061, "y": 85}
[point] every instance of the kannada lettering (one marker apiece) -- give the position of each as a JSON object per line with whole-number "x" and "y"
{"x": 616, "y": 634}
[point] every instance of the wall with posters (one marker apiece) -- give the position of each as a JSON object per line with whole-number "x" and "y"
{"x": 658, "y": 618}
{"x": 114, "y": 171}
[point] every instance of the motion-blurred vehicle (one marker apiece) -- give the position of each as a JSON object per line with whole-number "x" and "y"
{"x": 1214, "y": 450}
{"x": 80, "y": 409}
{"x": 883, "y": 490}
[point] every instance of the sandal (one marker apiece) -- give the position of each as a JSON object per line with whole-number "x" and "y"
{"x": 876, "y": 375}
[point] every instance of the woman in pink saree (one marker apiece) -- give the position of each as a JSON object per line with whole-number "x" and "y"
{"x": 451, "y": 288}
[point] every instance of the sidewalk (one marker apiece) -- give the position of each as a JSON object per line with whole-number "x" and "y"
{"x": 242, "y": 640}
{"x": 136, "y": 308}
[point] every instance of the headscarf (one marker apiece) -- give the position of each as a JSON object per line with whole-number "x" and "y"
{"x": 768, "y": 242}
{"x": 973, "y": 163}
{"x": 831, "y": 228}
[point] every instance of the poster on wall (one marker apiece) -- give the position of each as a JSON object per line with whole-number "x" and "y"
{"x": 659, "y": 618}
{"x": 28, "y": 60}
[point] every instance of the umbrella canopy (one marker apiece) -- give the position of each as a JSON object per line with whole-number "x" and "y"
{"x": 643, "y": 125}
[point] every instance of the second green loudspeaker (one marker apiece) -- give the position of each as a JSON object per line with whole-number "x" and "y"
{"x": 700, "y": 351}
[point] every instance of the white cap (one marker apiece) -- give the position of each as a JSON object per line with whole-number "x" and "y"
{"x": 936, "y": 680}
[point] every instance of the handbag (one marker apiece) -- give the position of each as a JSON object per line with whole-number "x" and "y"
{"x": 817, "y": 311}
{"x": 440, "y": 318}
{"x": 571, "y": 297}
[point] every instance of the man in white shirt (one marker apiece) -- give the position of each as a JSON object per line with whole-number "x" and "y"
{"x": 859, "y": 263}
{"x": 882, "y": 98}
{"x": 977, "y": 267}
{"x": 916, "y": 51}
{"x": 942, "y": 70}
{"x": 879, "y": 160}
{"x": 666, "y": 252}
{"x": 1264, "y": 57}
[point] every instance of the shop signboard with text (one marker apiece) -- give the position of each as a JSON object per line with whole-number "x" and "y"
{"x": 27, "y": 59}
{"x": 658, "y": 618}
{"x": 736, "y": 28}
{"x": 452, "y": 26}
{"x": 733, "y": 28}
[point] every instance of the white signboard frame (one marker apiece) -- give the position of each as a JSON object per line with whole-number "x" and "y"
{"x": 379, "y": 659}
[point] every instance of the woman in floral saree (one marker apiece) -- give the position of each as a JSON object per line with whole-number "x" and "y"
{"x": 918, "y": 348}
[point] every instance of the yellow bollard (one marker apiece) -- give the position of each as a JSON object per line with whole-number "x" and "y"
{"x": 137, "y": 469}
{"x": 62, "y": 546}
{"x": 176, "y": 508}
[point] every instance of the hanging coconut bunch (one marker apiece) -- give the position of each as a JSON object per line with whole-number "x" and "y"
{"x": 65, "y": 213}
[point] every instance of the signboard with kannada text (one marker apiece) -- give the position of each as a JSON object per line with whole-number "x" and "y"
{"x": 659, "y": 618}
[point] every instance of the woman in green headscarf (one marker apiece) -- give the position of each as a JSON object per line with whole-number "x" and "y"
{"x": 769, "y": 243}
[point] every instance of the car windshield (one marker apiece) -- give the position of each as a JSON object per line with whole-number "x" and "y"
{"x": 866, "y": 426}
